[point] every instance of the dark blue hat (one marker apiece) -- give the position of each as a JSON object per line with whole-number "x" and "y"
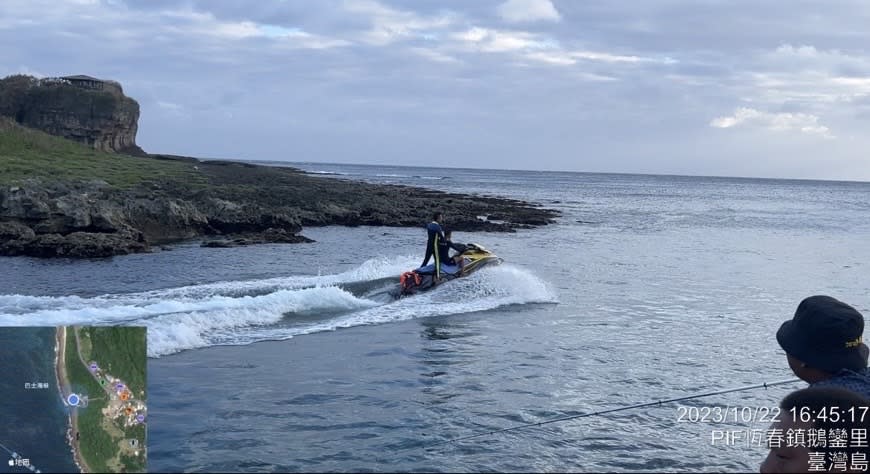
{"x": 825, "y": 334}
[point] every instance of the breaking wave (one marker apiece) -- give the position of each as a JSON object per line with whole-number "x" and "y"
{"x": 243, "y": 312}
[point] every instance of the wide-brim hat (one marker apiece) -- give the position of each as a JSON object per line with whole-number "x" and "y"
{"x": 825, "y": 334}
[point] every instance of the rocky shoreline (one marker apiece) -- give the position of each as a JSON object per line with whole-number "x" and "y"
{"x": 62, "y": 383}
{"x": 228, "y": 204}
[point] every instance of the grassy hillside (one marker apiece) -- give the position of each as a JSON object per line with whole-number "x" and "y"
{"x": 27, "y": 153}
{"x": 122, "y": 352}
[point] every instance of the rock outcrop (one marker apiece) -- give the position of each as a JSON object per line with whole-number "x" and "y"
{"x": 88, "y": 110}
{"x": 65, "y": 220}
{"x": 243, "y": 205}
{"x": 92, "y": 219}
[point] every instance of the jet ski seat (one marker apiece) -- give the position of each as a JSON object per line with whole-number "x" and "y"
{"x": 445, "y": 268}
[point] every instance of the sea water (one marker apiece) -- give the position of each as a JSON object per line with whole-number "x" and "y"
{"x": 648, "y": 287}
{"x": 33, "y": 418}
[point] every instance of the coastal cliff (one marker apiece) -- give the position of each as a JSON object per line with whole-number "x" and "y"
{"x": 88, "y": 110}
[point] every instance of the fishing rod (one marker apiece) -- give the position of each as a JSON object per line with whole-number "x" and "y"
{"x": 614, "y": 410}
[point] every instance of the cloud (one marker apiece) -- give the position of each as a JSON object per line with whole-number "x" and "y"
{"x": 810, "y": 57}
{"x": 788, "y": 50}
{"x": 495, "y": 41}
{"x": 539, "y": 48}
{"x": 434, "y": 55}
{"x": 168, "y": 105}
{"x": 205, "y": 24}
{"x": 520, "y": 11}
{"x": 557, "y": 58}
{"x": 780, "y": 122}
{"x": 621, "y": 84}
{"x": 568, "y": 58}
{"x": 807, "y": 78}
{"x": 389, "y": 25}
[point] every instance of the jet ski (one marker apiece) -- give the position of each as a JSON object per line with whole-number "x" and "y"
{"x": 474, "y": 257}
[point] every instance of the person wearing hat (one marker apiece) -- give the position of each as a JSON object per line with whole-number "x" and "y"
{"x": 824, "y": 345}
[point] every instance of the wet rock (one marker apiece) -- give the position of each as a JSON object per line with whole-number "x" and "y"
{"x": 75, "y": 245}
{"x": 15, "y": 231}
{"x": 270, "y": 236}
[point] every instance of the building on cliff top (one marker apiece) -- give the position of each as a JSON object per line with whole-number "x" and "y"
{"x": 88, "y": 82}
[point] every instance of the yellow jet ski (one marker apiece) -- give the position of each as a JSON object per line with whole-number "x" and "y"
{"x": 473, "y": 258}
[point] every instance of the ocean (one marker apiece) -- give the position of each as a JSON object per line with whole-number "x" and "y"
{"x": 33, "y": 421}
{"x": 291, "y": 357}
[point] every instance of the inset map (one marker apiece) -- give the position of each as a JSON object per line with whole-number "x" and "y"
{"x": 75, "y": 398}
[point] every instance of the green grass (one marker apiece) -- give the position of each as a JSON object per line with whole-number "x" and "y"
{"x": 96, "y": 445}
{"x": 131, "y": 463}
{"x": 120, "y": 351}
{"x": 27, "y": 153}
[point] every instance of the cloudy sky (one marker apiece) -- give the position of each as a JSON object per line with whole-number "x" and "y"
{"x": 701, "y": 87}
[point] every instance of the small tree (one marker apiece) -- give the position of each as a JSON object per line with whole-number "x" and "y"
{"x": 13, "y": 90}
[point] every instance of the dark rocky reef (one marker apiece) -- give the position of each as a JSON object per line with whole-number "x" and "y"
{"x": 270, "y": 236}
{"x": 242, "y": 204}
{"x": 91, "y": 111}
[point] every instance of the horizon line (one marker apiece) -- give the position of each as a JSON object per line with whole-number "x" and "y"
{"x": 623, "y": 173}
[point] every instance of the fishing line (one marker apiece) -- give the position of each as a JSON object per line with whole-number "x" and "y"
{"x": 7, "y": 449}
{"x": 614, "y": 410}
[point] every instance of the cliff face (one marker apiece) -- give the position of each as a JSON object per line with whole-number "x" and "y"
{"x": 104, "y": 119}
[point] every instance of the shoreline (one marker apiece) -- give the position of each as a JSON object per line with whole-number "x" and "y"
{"x": 63, "y": 381}
{"x": 99, "y": 211}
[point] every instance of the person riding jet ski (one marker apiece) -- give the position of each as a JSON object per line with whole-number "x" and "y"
{"x": 435, "y": 235}
{"x": 468, "y": 259}
{"x": 444, "y": 247}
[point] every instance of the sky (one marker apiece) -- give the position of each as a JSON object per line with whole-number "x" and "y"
{"x": 775, "y": 88}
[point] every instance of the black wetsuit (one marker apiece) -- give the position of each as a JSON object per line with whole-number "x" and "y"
{"x": 444, "y": 247}
{"x": 436, "y": 234}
